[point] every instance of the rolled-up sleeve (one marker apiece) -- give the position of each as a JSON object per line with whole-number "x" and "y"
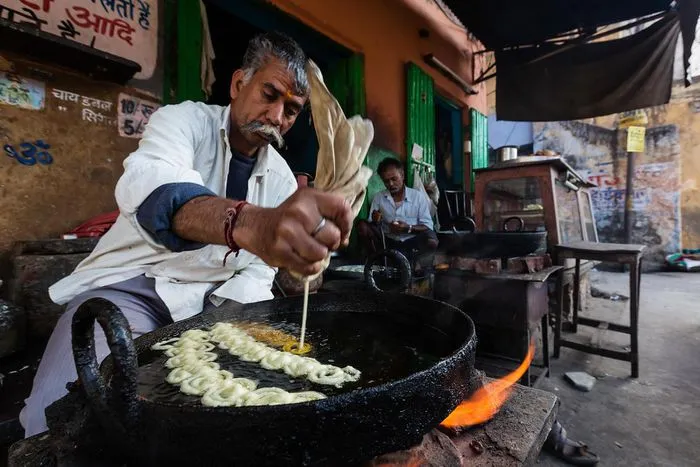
{"x": 156, "y": 213}
{"x": 165, "y": 155}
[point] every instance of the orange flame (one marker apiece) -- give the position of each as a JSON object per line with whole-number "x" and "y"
{"x": 487, "y": 400}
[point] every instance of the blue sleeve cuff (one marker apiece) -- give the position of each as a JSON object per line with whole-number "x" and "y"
{"x": 156, "y": 213}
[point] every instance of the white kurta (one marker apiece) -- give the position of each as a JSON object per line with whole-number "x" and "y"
{"x": 187, "y": 142}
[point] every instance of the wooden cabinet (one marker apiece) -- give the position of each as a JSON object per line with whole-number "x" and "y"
{"x": 546, "y": 193}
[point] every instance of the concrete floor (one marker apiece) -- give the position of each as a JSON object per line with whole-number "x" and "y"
{"x": 654, "y": 420}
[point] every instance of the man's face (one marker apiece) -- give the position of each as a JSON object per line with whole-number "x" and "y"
{"x": 265, "y": 108}
{"x": 393, "y": 180}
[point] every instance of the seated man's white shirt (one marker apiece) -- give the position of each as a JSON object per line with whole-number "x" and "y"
{"x": 187, "y": 142}
{"x": 413, "y": 210}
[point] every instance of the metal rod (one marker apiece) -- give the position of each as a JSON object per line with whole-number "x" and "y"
{"x": 451, "y": 75}
{"x": 483, "y": 76}
{"x": 386, "y": 265}
{"x": 486, "y": 78}
{"x": 488, "y": 68}
{"x": 424, "y": 164}
{"x": 590, "y": 37}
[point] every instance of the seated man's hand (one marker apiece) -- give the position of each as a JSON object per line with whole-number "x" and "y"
{"x": 398, "y": 227}
{"x": 376, "y": 216}
{"x": 283, "y": 236}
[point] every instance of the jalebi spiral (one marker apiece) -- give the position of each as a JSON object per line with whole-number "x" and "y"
{"x": 243, "y": 346}
{"x": 195, "y": 371}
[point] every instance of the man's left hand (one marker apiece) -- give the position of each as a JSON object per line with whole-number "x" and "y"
{"x": 398, "y": 227}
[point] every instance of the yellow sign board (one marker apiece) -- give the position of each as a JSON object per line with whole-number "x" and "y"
{"x": 633, "y": 118}
{"x": 635, "y": 138}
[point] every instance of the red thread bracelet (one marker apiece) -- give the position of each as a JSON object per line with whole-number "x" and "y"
{"x": 232, "y": 214}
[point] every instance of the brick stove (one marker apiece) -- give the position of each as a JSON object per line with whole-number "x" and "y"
{"x": 514, "y": 437}
{"x": 508, "y": 300}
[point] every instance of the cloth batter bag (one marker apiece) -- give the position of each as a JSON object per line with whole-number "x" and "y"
{"x": 343, "y": 144}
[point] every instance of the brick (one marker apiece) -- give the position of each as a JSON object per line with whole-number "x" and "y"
{"x": 487, "y": 266}
{"x": 534, "y": 263}
{"x": 441, "y": 258}
{"x": 516, "y": 266}
{"x": 463, "y": 264}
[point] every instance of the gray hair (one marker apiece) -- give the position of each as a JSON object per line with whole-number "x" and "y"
{"x": 282, "y": 47}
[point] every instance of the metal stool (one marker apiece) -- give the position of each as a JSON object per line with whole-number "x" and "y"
{"x": 611, "y": 253}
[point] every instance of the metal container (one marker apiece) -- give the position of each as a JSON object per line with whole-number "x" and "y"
{"x": 507, "y": 153}
{"x": 346, "y": 429}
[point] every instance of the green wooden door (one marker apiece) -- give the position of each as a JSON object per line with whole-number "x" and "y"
{"x": 188, "y": 31}
{"x": 420, "y": 117}
{"x": 345, "y": 79}
{"x": 480, "y": 142}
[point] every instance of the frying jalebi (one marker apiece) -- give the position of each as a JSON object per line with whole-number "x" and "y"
{"x": 195, "y": 371}
{"x": 240, "y": 344}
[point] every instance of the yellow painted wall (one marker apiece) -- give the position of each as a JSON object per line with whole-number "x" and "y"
{"x": 684, "y": 112}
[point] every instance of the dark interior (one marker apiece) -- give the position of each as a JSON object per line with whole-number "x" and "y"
{"x": 230, "y": 35}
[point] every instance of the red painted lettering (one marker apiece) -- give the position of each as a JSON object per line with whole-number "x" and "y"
{"x": 100, "y": 24}
{"x": 45, "y": 6}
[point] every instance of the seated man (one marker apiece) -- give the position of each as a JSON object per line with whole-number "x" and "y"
{"x": 204, "y": 182}
{"x": 403, "y": 214}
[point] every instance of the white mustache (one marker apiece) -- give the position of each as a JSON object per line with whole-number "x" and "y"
{"x": 269, "y": 132}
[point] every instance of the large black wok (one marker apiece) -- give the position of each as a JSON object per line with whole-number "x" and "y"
{"x": 492, "y": 244}
{"x": 505, "y": 244}
{"x": 344, "y": 429}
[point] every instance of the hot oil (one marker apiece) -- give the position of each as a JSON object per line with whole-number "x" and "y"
{"x": 380, "y": 347}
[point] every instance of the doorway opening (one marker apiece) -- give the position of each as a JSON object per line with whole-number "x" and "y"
{"x": 449, "y": 161}
{"x": 232, "y": 26}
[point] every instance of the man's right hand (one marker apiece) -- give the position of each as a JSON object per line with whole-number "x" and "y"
{"x": 376, "y": 215}
{"x": 282, "y": 236}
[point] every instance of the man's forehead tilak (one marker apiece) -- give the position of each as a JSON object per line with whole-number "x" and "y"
{"x": 285, "y": 92}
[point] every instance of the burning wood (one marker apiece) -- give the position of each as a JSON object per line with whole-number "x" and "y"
{"x": 485, "y": 403}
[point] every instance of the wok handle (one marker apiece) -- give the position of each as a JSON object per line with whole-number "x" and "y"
{"x": 116, "y": 410}
{"x": 404, "y": 268}
{"x": 521, "y": 223}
